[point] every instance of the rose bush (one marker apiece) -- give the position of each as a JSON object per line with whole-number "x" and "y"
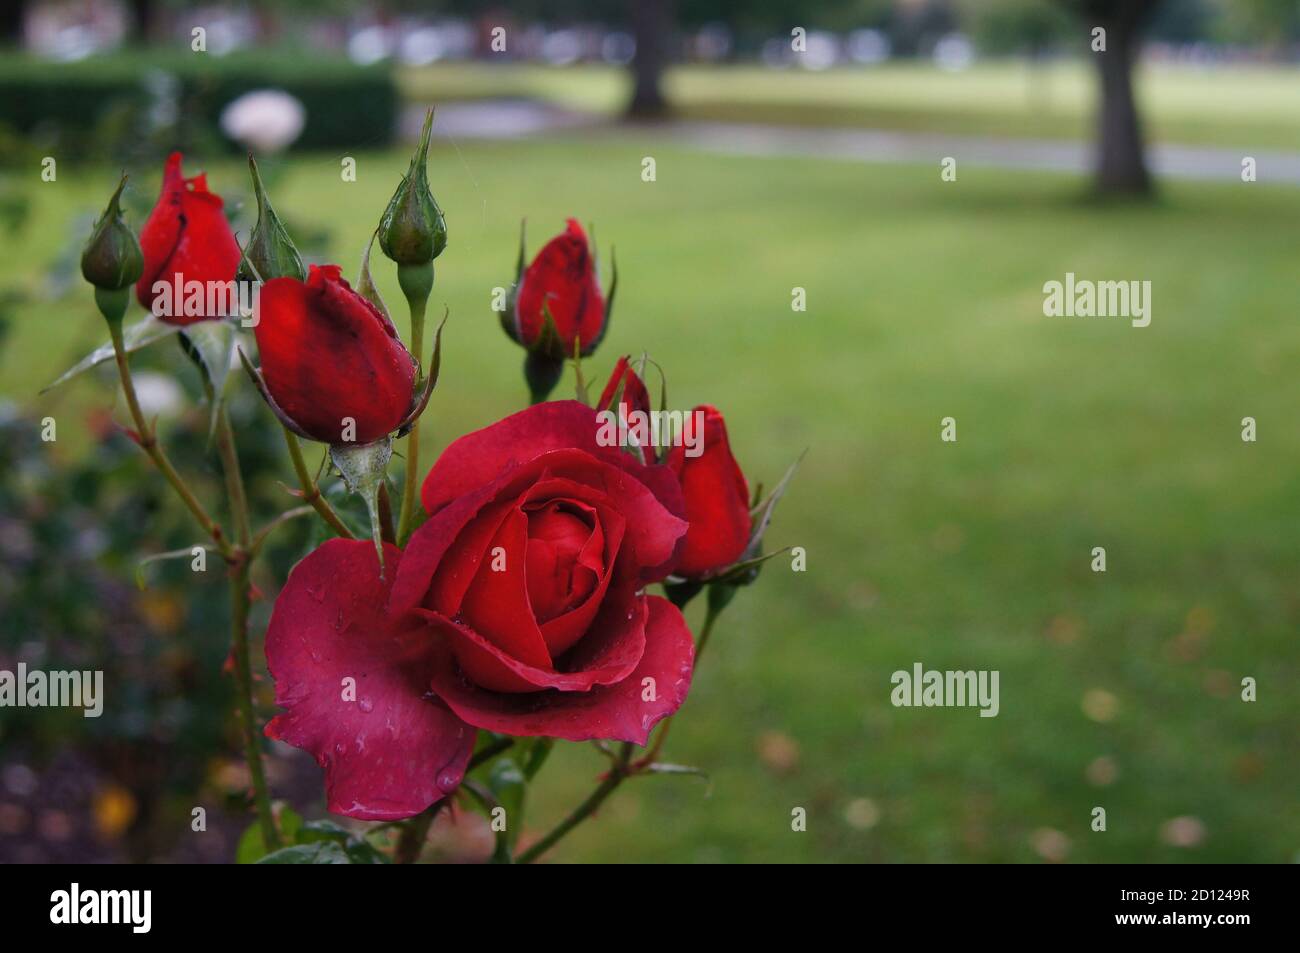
{"x": 518, "y": 607}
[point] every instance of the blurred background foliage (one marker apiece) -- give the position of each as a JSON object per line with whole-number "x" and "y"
{"x": 924, "y": 301}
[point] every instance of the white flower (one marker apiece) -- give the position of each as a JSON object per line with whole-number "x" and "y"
{"x": 264, "y": 120}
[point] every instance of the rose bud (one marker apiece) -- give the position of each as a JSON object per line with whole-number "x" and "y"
{"x": 185, "y": 239}
{"x": 633, "y": 407}
{"x": 112, "y": 260}
{"x": 558, "y": 304}
{"x": 270, "y": 252}
{"x": 413, "y": 230}
{"x": 333, "y": 367}
{"x": 717, "y": 496}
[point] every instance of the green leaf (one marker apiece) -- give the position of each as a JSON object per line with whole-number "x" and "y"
{"x": 321, "y": 852}
{"x": 290, "y": 823}
{"x": 185, "y": 553}
{"x": 210, "y": 345}
{"x": 252, "y": 847}
{"x": 315, "y": 831}
{"x": 366, "y": 284}
{"x": 660, "y": 767}
{"x": 139, "y": 335}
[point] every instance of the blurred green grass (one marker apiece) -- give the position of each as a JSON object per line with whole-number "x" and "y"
{"x": 1241, "y": 107}
{"x": 924, "y": 301}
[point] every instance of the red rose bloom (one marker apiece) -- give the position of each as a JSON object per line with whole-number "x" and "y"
{"x": 717, "y": 500}
{"x": 517, "y": 608}
{"x": 563, "y": 278}
{"x": 186, "y": 234}
{"x": 329, "y": 354}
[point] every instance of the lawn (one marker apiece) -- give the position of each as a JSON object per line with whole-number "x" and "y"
{"x": 924, "y": 301}
{"x": 1249, "y": 108}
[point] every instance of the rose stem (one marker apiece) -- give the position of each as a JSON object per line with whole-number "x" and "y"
{"x": 416, "y": 286}
{"x": 414, "y": 834}
{"x": 620, "y": 771}
{"x": 148, "y": 441}
{"x": 311, "y": 493}
{"x": 710, "y": 617}
{"x": 239, "y": 603}
{"x": 416, "y": 830}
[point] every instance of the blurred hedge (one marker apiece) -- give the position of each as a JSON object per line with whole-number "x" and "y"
{"x": 178, "y": 97}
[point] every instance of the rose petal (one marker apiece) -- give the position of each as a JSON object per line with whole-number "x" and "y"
{"x": 612, "y": 655}
{"x": 496, "y": 603}
{"x": 394, "y": 750}
{"x": 616, "y": 711}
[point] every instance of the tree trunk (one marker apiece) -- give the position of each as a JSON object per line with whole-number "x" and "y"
{"x": 145, "y": 15}
{"x": 1121, "y": 159}
{"x": 11, "y": 22}
{"x": 652, "y": 27}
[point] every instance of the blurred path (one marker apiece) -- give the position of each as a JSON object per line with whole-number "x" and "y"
{"x": 514, "y": 119}
{"x": 868, "y": 145}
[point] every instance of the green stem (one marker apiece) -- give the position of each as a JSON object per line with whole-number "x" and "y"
{"x": 416, "y": 286}
{"x": 240, "y": 582}
{"x": 148, "y": 441}
{"x": 416, "y": 830}
{"x": 311, "y": 493}
{"x": 617, "y": 774}
{"x": 415, "y": 833}
{"x": 710, "y": 617}
{"x": 234, "y": 478}
{"x": 489, "y": 752}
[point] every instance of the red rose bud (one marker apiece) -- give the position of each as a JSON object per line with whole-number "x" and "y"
{"x": 558, "y": 302}
{"x": 187, "y": 245}
{"x": 717, "y": 496}
{"x": 631, "y": 418}
{"x": 413, "y": 230}
{"x": 333, "y": 365}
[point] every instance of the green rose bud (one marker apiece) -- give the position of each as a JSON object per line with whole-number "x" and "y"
{"x": 413, "y": 231}
{"x": 270, "y": 252}
{"x": 112, "y": 260}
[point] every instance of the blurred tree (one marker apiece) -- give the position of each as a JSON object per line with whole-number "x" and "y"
{"x": 654, "y": 24}
{"x": 1121, "y": 160}
{"x": 652, "y": 28}
{"x": 12, "y": 15}
{"x": 1273, "y": 23}
{"x": 1003, "y": 27}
